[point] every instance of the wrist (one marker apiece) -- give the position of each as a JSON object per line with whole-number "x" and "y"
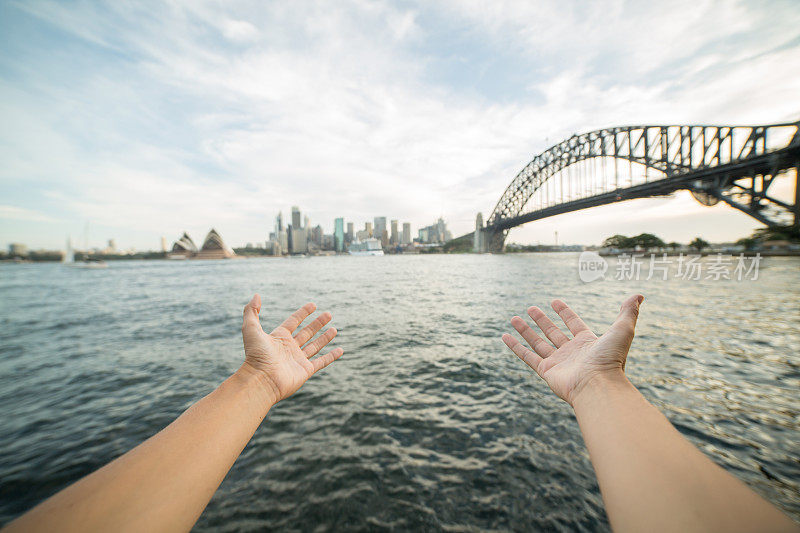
{"x": 598, "y": 389}
{"x": 257, "y": 384}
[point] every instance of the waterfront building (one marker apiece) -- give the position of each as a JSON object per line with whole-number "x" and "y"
{"x": 348, "y": 237}
{"x": 298, "y": 240}
{"x": 214, "y": 247}
{"x": 435, "y": 233}
{"x": 384, "y": 238}
{"x": 368, "y": 229}
{"x": 328, "y": 242}
{"x": 163, "y": 244}
{"x": 406, "y": 233}
{"x": 362, "y": 235}
{"x": 283, "y": 240}
{"x": 394, "y": 238}
{"x": 316, "y": 236}
{"x": 380, "y": 227}
{"x": 183, "y": 247}
{"x": 338, "y": 234}
{"x": 296, "y": 219}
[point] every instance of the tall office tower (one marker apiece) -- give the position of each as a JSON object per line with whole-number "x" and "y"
{"x": 338, "y": 234}
{"x": 297, "y": 221}
{"x": 283, "y": 240}
{"x": 279, "y": 223}
{"x": 299, "y": 241}
{"x": 308, "y": 224}
{"x": 348, "y": 237}
{"x": 441, "y": 229}
{"x": 406, "y": 233}
{"x": 316, "y": 235}
{"x": 394, "y": 239}
{"x": 385, "y": 239}
{"x": 380, "y": 227}
{"x": 368, "y": 228}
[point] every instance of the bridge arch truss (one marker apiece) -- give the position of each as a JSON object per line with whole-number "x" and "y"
{"x": 733, "y": 164}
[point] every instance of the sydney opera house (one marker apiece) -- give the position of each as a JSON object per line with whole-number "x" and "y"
{"x": 213, "y": 248}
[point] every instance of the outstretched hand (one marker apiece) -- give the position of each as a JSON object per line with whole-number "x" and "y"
{"x": 281, "y": 360}
{"x": 569, "y": 365}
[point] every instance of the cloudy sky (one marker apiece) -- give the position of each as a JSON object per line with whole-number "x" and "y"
{"x": 145, "y": 119}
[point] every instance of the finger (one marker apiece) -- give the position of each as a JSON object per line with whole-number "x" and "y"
{"x": 628, "y": 313}
{"x": 251, "y": 325}
{"x": 324, "y": 360}
{"x": 570, "y": 317}
{"x": 310, "y": 330}
{"x": 539, "y": 345}
{"x": 294, "y": 320}
{"x": 314, "y": 347}
{"x": 550, "y": 330}
{"x": 527, "y": 355}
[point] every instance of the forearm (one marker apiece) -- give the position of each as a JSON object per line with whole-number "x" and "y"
{"x": 649, "y": 474}
{"x": 166, "y": 482}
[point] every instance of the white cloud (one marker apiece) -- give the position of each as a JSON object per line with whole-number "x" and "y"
{"x": 11, "y": 212}
{"x": 239, "y": 30}
{"x": 332, "y": 106}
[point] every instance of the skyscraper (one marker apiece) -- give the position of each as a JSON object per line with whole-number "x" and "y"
{"x": 279, "y": 223}
{"x": 338, "y": 234}
{"x": 380, "y": 227}
{"x": 368, "y": 228}
{"x": 395, "y": 237}
{"x": 348, "y": 237}
{"x": 298, "y": 242}
{"x": 296, "y": 220}
{"x": 406, "y": 233}
{"x": 316, "y": 235}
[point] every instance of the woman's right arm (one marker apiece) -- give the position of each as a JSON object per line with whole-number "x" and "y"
{"x": 650, "y": 476}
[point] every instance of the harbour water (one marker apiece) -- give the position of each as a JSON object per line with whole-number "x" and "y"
{"x": 426, "y": 423}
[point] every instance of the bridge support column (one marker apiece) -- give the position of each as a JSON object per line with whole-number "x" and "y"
{"x": 478, "y": 238}
{"x": 494, "y": 241}
{"x": 797, "y": 194}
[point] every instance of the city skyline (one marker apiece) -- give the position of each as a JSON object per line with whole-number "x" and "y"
{"x": 302, "y": 236}
{"x": 150, "y": 122}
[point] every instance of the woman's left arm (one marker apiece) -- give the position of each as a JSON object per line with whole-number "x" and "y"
{"x": 165, "y": 483}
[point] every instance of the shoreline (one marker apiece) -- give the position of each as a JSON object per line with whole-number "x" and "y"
{"x": 752, "y": 253}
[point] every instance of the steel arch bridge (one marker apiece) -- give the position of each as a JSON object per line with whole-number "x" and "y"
{"x": 733, "y": 164}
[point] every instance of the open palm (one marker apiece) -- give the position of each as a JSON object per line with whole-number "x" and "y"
{"x": 567, "y": 365}
{"x": 280, "y": 358}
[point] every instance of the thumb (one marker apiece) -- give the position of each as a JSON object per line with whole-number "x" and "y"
{"x": 250, "y": 322}
{"x": 628, "y": 313}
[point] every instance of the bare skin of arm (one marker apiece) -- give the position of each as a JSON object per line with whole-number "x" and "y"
{"x": 165, "y": 483}
{"x": 650, "y": 476}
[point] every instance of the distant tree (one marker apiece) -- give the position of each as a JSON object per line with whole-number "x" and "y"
{"x": 698, "y": 244}
{"x": 674, "y": 245}
{"x": 619, "y": 241}
{"x": 647, "y": 241}
{"x": 749, "y": 243}
{"x": 777, "y": 233}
